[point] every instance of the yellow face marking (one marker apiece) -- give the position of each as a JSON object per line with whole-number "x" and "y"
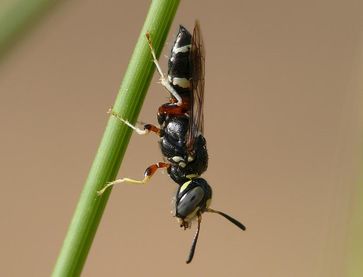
{"x": 184, "y": 186}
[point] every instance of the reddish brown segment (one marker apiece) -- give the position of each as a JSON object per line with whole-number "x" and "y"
{"x": 172, "y": 109}
{"x": 152, "y": 128}
{"x": 150, "y": 171}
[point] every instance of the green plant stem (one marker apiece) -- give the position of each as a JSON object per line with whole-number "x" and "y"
{"x": 108, "y": 159}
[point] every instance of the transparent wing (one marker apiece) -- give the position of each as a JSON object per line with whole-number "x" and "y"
{"x": 197, "y": 60}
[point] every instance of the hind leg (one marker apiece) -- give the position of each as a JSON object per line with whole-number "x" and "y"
{"x": 163, "y": 80}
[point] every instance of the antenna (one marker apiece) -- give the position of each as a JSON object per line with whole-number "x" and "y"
{"x": 194, "y": 243}
{"x": 231, "y": 219}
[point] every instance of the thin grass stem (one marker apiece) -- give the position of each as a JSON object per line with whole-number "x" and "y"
{"x": 108, "y": 159}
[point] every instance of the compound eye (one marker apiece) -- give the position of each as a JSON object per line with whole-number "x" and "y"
{"x": 189, "y": 202}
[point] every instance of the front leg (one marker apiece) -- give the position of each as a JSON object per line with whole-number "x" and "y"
{"x": 149, "y": 172}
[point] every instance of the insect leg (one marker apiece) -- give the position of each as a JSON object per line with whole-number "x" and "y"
{"x": 163, "y": 80}
{"x": 147, "y": 127}
{"x": 149, "y": 172}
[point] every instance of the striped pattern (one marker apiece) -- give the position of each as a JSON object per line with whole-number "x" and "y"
{"x": 179, "y": 72}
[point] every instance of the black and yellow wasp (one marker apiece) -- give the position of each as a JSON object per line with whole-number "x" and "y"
{"x": 181, "y": 131}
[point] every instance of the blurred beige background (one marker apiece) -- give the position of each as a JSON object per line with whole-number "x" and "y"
{"x": 282, "y": 120}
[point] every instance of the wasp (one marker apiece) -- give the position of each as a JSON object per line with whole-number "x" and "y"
{"x": 181, "y": 138}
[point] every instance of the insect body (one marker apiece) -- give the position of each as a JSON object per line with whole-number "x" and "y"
{"x": 182, "y": 141}
{"x": 181, "y": 132}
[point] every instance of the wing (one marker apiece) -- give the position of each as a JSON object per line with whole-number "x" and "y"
{"x": 197, "y": 60}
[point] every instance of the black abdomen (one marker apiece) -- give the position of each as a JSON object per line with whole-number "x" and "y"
{"x": 179, "y": 73}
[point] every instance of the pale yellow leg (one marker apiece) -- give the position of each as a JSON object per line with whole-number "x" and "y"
{"x": 123, "y": 180}
{"x": 163, "y": 80}
{"x": 137, "y": 130}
